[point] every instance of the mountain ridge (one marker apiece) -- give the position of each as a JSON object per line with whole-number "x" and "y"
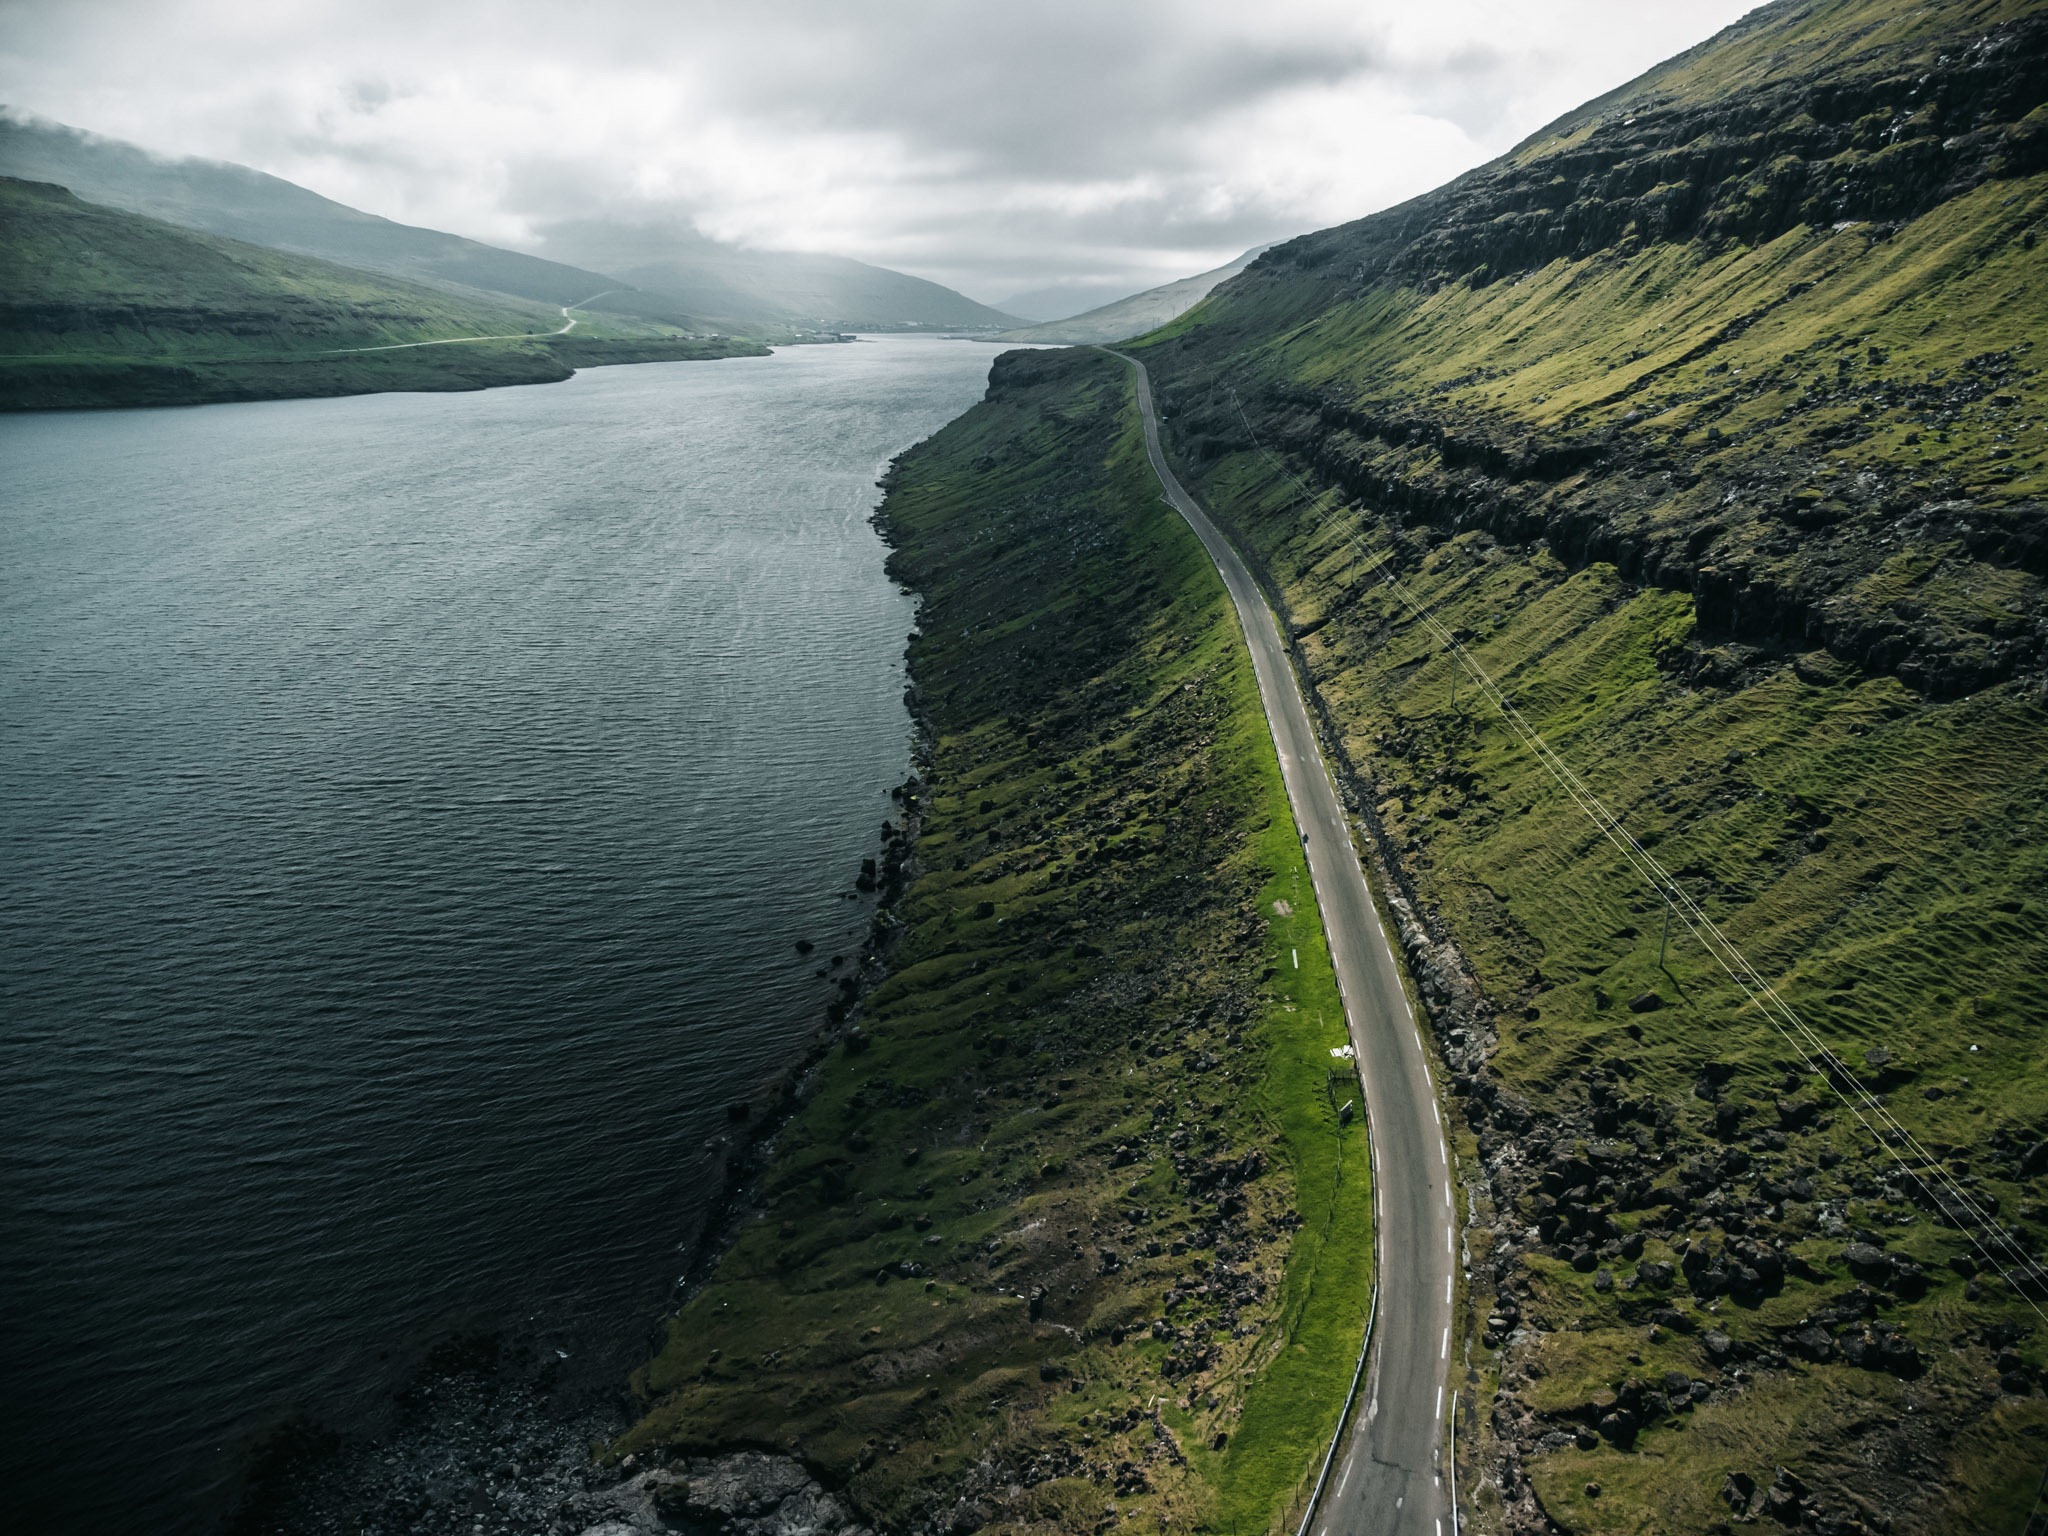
{"x": 102, "y": 307}
{"x": 745, "y": 290}
{"x": 220, "y": 197}
{"x": 749, "y": 286}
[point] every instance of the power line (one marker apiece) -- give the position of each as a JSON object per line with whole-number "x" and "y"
{"x": 1747, "y": 979}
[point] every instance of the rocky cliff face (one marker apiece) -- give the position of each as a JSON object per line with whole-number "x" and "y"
{"x": 1798, "y": 115}
{"x": 1748, "y": 329}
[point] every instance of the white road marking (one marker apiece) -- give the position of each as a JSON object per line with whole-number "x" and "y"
{"x": 1445, "y": 1354}
{"x": 1277, "y": 682}
{"x": 1447, "y": 1241}
{"x": 1345, "y": 1480}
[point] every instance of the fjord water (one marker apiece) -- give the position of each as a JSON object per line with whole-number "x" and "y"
{"x": 409, "y": 806}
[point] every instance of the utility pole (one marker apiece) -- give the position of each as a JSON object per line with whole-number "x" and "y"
{"x": 1664, "y": 943}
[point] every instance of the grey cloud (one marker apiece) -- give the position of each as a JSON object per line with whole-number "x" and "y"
{"x": 997, "y": 148}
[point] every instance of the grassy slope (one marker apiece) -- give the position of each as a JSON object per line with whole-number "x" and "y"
{"x": 239, "y": 203}
{"x": 99, "y": 307}
{"x": 1092, "y": 1015}
{"x": 1841, "y": 428}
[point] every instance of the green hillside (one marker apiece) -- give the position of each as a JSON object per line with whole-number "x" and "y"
{"x": 1656, "y": 511}
{"x": 100, "y": 307}
{"x": 1707, "y": 425}
{"x": 1072, "y": 1214}
{"x": 665, "y": 276}
{"x": 220, "y": 198}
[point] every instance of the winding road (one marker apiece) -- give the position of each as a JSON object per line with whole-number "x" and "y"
{"x": 568, "y": 325}
{"x": 1389, "y": 1476}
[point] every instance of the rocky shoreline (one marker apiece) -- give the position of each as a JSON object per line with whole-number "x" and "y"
{"x": 489, "y": 1442}
{"x": 480, "y": 1453}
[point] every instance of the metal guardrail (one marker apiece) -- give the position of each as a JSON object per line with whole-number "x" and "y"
{"x": 1454, "y": 1464}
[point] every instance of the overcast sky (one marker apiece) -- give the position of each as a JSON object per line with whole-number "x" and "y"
{"x": 990, "y": 146}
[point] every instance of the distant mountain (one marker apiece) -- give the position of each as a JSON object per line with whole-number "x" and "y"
{"x": 242, "y": 204}
{"x": 1057, "y": 301}
{"x": 743, "y": 287}
{"x": 1139, "y": 313}
{"x": 676, "y": 278}
{"x": 101, "y": 307}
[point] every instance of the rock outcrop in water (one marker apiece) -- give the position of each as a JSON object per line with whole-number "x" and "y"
{"x": 744, "y": 1494}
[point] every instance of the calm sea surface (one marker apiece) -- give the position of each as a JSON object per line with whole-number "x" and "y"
{"x": 407, "y": 807}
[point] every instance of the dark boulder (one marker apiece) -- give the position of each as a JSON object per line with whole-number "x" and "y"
{"x": 1812, "y": 1343}
{"x": 1738, "y": 1488}
{"x": 1793, "y": 1114}
{"x": 1619, "y": 1428}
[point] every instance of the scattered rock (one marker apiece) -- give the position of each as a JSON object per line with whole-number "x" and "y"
{"x": 745, "y": 1494}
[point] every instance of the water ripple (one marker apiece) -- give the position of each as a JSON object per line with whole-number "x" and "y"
{"x": 407, "y": 805}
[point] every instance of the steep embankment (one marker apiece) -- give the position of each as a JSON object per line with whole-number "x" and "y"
{"x": 1707, "y": 422}
{"x": 100, "y": 307}
{"x": 1069, "y": 1227}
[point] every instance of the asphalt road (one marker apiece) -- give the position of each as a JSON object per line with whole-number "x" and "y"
{"x": 568, "y": 325}
{"x": 1389, "y": 1477}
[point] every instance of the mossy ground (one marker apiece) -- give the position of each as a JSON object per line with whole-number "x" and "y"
{"x": 1077, "y": 1237}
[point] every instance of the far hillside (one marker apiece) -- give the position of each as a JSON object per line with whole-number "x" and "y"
{"x": 742, "y": 288}
{"x": 221, "y": 198}
{"x": 668, "y": 276}
{"x": 101, "y": 307}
